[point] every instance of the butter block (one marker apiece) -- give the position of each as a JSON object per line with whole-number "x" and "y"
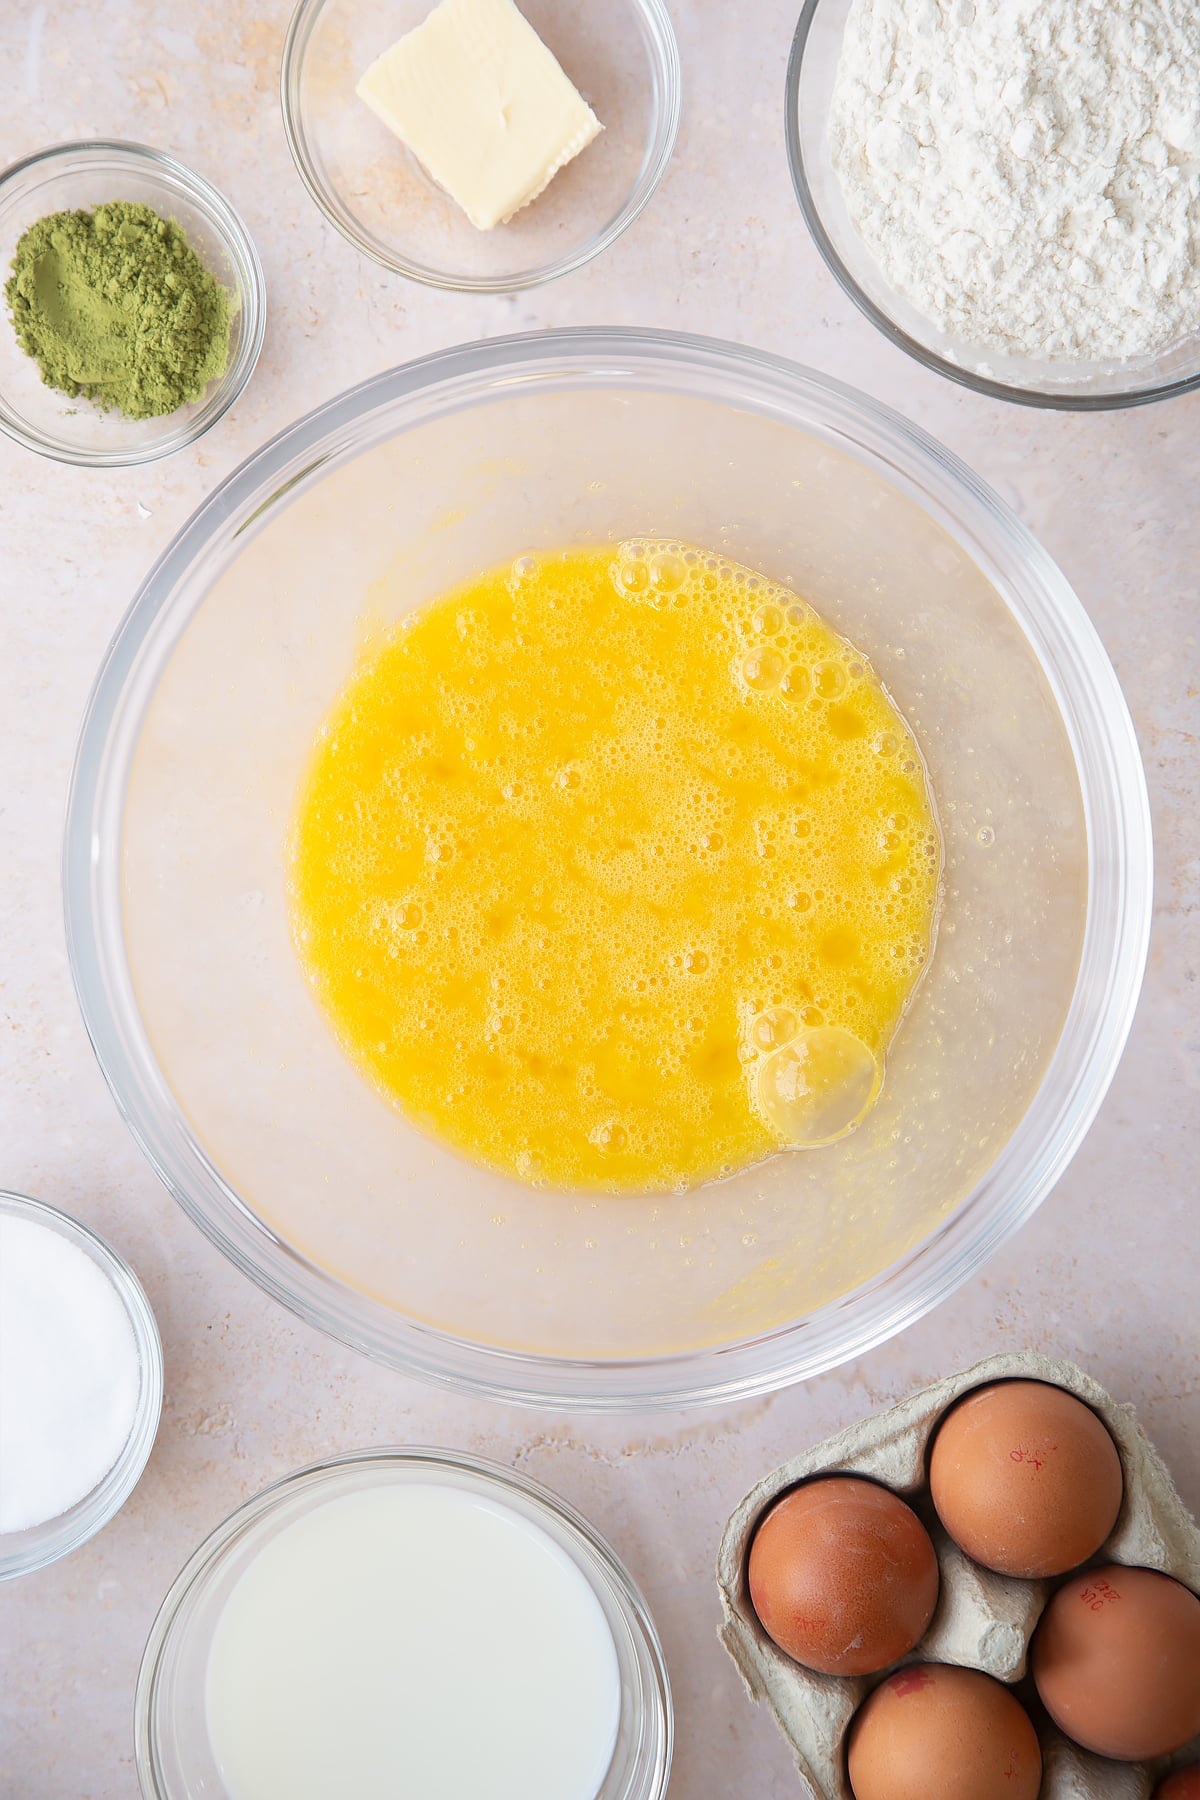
{"x": 483, "y": 105}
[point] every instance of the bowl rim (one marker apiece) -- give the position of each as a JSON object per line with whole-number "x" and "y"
{"x": 603, "y": 1564}
{"x": 21, "y": 1552}
{"x": 668, "y": 80}
{"x": 1107, "y": 985}
{"x": 252, "y": 299}
{"x": 1041, "y": 398}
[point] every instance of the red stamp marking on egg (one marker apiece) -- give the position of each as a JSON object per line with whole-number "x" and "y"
{"x": 1033, "y": 1459}
{"x": 911, "y": 1681}
{"x": 1097, "y": 1595}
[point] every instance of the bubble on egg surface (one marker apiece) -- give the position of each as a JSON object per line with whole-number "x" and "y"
{"x": 795, "y": 684}
{"x": 610, "y": 1135}
{"x": 774, "y": 1028}
{"x": 1025, "y": 1478}
{"x": 829, "y": 680}
{"x": 843, "y": 1576}
{"x": 763, "y": 669}
{"x": 1116, "y": 1662}
{"x": 816, "y": 1088}
{"x": 932, "y": 1732}
{"x": 668, "y": 571}
{"x": 632, "y": 577}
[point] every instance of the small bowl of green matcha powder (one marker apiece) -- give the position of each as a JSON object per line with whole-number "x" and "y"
{"x": 134, "y": 304}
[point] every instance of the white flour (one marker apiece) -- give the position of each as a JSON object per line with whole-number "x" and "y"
{"x": 1027, "y": 172}
{"x": 69, "y": 1374}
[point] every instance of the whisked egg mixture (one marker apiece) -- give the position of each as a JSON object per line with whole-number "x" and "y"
{"x": 616, "y": 868}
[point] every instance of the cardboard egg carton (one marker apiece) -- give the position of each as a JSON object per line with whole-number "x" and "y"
{"x": 982, "y": 1621}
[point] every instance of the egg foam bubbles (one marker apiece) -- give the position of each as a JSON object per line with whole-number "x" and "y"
{"x": 615, "y": 869}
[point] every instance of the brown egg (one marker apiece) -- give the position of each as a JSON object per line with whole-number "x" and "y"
{"x": 936, "y": 1733}
{"x": 1183, "y": 1784}
{"x": 843, "y": 1576}
{"x": 1025, "y": 1478}
{"x": 1116, "y": 1659}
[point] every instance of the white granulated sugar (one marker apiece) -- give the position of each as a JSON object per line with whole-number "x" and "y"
{"x": 70, "y": 1374}
{"x": 1027, "y": 172}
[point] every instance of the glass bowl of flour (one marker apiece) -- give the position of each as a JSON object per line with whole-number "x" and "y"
{"x": 1010, "y": 193}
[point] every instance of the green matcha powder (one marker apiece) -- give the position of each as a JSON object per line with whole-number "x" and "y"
{"x": 116, "y": 305}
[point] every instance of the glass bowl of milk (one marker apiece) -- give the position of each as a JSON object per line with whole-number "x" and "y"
{"x": 404, "y": 1621}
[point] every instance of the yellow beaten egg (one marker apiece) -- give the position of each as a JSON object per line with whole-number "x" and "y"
{"x": 616, "y": 868}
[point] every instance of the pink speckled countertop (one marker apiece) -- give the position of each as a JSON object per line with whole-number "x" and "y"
{"x": 1108, "y": 1272}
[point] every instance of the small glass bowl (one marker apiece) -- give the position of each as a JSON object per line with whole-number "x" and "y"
{"x": 623, "y": 58}
{"x": 71, "y": 177}
{"x": 1066, "y": 386}
{"x": 23, "y": 1551}
{"x": 173, "y": 1753}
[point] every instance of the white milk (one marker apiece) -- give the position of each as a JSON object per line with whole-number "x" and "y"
{"x": 412, "y": 1642}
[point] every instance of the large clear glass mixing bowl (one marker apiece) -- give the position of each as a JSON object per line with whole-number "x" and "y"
{"x": 202, "y": 719}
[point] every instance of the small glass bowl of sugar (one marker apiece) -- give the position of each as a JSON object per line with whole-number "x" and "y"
{"x": 81, "y": 1383}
